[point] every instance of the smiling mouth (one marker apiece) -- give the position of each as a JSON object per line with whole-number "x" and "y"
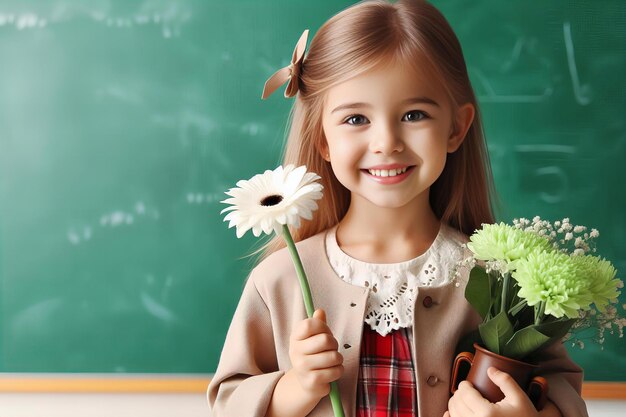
{"x": 383, "y": 173}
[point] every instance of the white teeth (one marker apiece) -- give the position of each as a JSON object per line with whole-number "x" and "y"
{"x": 387, "y": 173}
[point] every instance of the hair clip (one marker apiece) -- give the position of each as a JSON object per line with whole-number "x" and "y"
{"x": 290, "y": 72}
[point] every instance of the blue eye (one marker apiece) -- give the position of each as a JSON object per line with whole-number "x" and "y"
{"x": 354, "y": 116}
{"x": 420, "y": 116}
{"x": 420, "y": 113}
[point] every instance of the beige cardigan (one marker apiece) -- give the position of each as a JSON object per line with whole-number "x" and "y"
{"x": 256, "y": 350}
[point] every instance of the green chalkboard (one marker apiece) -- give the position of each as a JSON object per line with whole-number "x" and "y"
{"x": 122, "y": 124}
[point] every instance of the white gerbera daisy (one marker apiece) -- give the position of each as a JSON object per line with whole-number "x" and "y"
{"x": 270, "y": 200}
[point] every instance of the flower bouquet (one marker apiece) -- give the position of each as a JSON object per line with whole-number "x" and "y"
{"x": 271, "y": 202}
{"x": 532, "y": 283}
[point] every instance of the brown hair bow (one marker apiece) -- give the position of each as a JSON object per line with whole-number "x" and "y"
{"x": 290, "y": 72}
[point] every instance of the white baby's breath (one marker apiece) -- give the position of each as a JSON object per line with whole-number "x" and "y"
{"x": 267, "y": 201}
{"x": 568, "y": 238}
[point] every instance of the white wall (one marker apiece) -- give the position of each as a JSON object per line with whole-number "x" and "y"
{"x": 160, "y": 405}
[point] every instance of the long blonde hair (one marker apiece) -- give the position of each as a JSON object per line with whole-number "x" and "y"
{"x": 354, "y": 41}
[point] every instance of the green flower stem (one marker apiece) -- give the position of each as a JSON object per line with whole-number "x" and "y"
{"x": 505, "y": 292}
{"x": 494, "y": 285}
{"x": 335, "y": 399}
{"x": 539, "y": 312}
{"x": 517, "y": 307}
{"x": 515, "y": 299}
{"x": 304, "y": 283}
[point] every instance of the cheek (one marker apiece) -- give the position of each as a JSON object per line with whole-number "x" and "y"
{"x": 345, "y": 152}
{"x": 345, "y": 163}
{"x": 431, "y": 149}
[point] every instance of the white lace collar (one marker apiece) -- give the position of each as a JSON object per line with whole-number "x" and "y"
{"x": 393, "y": 287}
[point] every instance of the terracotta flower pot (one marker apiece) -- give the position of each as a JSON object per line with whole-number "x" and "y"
{"x": 522, "y": 372}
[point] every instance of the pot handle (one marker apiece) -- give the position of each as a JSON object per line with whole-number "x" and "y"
{"x": 538, "y": 391}
{"x": 466, "y": 357}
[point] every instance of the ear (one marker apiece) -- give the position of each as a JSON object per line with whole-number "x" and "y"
{"x": 464, "y": 118}
{"x": 322, "y": 148}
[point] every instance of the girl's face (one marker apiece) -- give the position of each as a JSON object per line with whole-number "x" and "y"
{"x": 385, "y": 120}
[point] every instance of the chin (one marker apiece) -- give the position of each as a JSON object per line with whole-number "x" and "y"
{"x": 389, "y": 202}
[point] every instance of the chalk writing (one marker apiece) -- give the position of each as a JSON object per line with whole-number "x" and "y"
{"x": 581, "y": 92}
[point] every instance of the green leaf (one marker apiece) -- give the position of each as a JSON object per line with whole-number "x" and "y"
{"x": 524, "y": 342}
{"x": 533, "y": 338}
{"x": 478, "y": 292}
{"x": 496, "y": 332}
{"x": 557, "y": 329}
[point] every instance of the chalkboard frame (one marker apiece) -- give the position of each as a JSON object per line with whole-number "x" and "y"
{"x": 141, "y": 383}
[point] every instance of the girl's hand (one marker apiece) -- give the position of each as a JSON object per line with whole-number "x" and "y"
{"x": 468, "y": 402}
{"x": 314, "y": 355}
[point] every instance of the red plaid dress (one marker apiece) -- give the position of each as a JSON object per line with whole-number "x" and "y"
{"x": 386, "y": 385}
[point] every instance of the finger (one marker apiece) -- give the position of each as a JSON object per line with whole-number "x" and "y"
{"x": 506, "y": 383}
{"x": 309, "y": 327}
{"x": 323, "y": 360}
{"x": 319, "y": 343}
{"x": 446, "y": 414}
{"x": 328, "y": 375}
{"x": 458, "y": 408}
{"x": 320, "y": 314}
{"x": 473, "y": 398}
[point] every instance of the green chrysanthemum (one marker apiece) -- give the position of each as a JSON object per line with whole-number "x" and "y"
{"x": 600, "y": 274}
{"x": 504, "y": 243}
{"x": 553, "y": 278}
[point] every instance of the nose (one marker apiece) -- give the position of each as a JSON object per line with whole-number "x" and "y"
{"x": 386, "y": 139}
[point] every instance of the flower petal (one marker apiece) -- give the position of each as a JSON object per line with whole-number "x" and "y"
{"x": 294, "y": 184}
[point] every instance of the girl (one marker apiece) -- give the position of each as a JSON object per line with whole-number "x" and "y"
{"x": 386, "y": 115}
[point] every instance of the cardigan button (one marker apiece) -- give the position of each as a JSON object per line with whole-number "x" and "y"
{"x": 432, "y": 380}
{"x": 428, "y": 301}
